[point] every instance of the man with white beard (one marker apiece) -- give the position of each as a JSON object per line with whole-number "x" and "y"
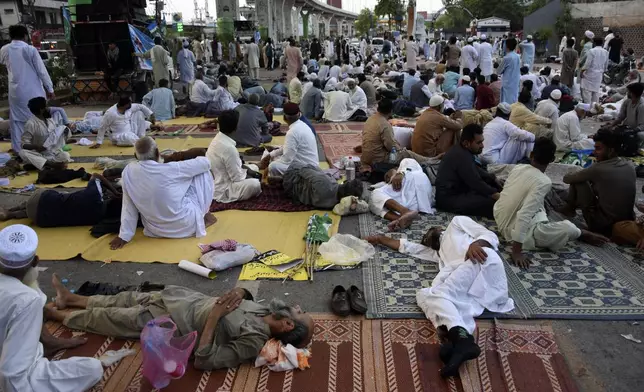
{"x": 471, "y": 279}
{"x": 23, "y": 367}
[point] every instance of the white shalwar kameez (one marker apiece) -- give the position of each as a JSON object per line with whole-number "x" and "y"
{"x": 485, "y": 59}
{"x": 300, "y": 147}
{"x": 411, "y": 51}
{"x": 27, "y": 76}
{"x": 568, "y": 135}
{"x": 469, "y": 57}
{"x": 415, "y": 194}
{"x": 521, "y": 216}
{"x": 46, "y": 135}
{"x": 201, "y": 93}
{"x": 463, "y": 289}
{"x": 223, "y": 100}
{"x": 549, "y": 109}
{"x": 358, "y": 98}
{"x": 594, "y": 68}
{"x": 338, "y": 106}
{"x": 231, "y": 183}
{"x": 124, "y": 129}
{"x": 172, "y": 198}
{"x": 23, "y": 368}
{"x": 505, "y": 142}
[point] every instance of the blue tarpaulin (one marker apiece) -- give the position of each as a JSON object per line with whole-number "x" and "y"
{"x": 142, "y": 43}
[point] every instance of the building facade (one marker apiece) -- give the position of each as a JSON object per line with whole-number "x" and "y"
{"x": 492, "y": 27}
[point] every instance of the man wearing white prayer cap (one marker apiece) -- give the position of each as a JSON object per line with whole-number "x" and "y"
{"x": 23, "y": 367}
{"x": 358, "y": 96}
{"x": 527, "y": 52}
{"x": 434, "y": 132}
{"x": 504, "y": 141}
{"x": 485, "y": 51}
{"x": 588, "y": 45}
{"x": 549, "y": 108}
{"x": 568, "y": 135}
{"x": 469, "y": 55}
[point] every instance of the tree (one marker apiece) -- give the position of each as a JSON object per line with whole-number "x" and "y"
{"x": 389, "y": 8}
{"x": 513, "y": 10}
{"x": 366, "y": 20}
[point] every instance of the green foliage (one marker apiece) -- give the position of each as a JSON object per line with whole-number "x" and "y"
{"x": 366, "y": 20}
{"x": 512, "y": 10}
{"x": 59, "y": 69}
{"x": 544, "y": 33}
{"x": 389, "y": 8}
{"x": 225, "y": 33}
{"x": 564, "y": 23}
{"x": 535, "y": 5}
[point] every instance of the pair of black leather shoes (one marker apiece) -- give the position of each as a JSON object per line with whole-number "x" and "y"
{"x": 343, "y": 301}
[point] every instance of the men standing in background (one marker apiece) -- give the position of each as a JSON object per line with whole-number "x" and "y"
{"x": 614, "y": 48}
{"x": 485, "y": 58}
{"x": 253, "y": 60}
{"x": 452, "y": 53}
{"x": 411, "y": 51}
{"x": 293, "y": 59}
{"x": 159, "y": 57}
{"x": 569, "y": 59}
{"x": 27, "y": 77}
{"x": 592, "y": 72}
{"x": 187, "y": 61}
{"x": 527, "y": 53}
{"x": 510, "y": 72}
{"x": 114, "y": 69}
{"x": 469, "y": 55}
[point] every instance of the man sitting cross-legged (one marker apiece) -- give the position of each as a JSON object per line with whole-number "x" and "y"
{"x": 309, "y": 185}
{"x": 300, "y": 145}
{"x": 43, "y": 140}
{"x": 471, "y": 279}
{"x": 407, "y": 192}
{"x": 604, "y": 191}
{"x": 232, "y": 182}
{"x": 125, "y": 122}
{"x": 23, "y": 367}
{"x": 520, "y": 213}
{"x": 504, "y": 141}
{"x": 232, "y": 328}
{"x": 172, "y": 198}
{"x": 463, "y": 186}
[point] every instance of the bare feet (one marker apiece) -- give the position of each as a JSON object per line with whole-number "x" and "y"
{"x": 404, "y": 221}
{"x": 62, "y": 293}
{"x": 593, "y": 238}
{"x": 209, "y": 219}
{"x": 52, "y": 345}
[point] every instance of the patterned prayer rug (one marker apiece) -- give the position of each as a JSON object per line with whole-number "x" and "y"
{"x": 578, "y": 282}
{"x": 365, "y": 356}
{"x": 337, "y": 146}
{"x": 271, "y": 199}
{"x": 345, "y": 127}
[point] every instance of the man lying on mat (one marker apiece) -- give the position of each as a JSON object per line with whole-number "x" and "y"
{"x": 406, "y": 192}
{"x": 471, "y": 279}
{"x": 232, "y": 329}
{"x": 309, "y": 185}
{"x": 172, "y": 198}
{"x": 51, "y": 208}
{"x": 23, "y": 367}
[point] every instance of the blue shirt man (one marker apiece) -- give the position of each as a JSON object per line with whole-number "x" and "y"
{"x": 464, "y": 96}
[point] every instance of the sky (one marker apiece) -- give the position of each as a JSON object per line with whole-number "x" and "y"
{"x": 187, "y": 6}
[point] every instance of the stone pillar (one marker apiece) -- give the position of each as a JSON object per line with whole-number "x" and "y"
{"x": 297, "y": 12}
{"x": 327, "y": 25}
{"x": 278, "y": 22}
{"x": 264, "y": 15}
{"x": 314, "y": 25}
{"x": 287, "y": 17}
{"x": 306, "y": 23}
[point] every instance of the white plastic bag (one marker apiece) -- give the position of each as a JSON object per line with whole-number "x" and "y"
{"x": 345, "y": 249}
{"x": 220, "y": 260}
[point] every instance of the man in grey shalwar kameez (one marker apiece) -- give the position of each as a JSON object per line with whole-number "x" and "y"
{"x": 159, "y": 57}
{"x": 309, "y": 185}
{"x": 187, "y": 61}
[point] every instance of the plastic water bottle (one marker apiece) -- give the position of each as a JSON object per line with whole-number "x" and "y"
{"x": 350, "y": 170}
{"x": 393, "y": 155}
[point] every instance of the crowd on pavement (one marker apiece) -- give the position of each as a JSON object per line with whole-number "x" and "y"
{"x": 475, "y": 103}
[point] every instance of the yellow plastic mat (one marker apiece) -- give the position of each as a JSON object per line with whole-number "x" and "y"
{"x": 58, "y": 243}
{"x": 265, "y": 230}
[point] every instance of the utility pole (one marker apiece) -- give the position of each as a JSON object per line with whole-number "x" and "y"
{"x": 157, "y": 13}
